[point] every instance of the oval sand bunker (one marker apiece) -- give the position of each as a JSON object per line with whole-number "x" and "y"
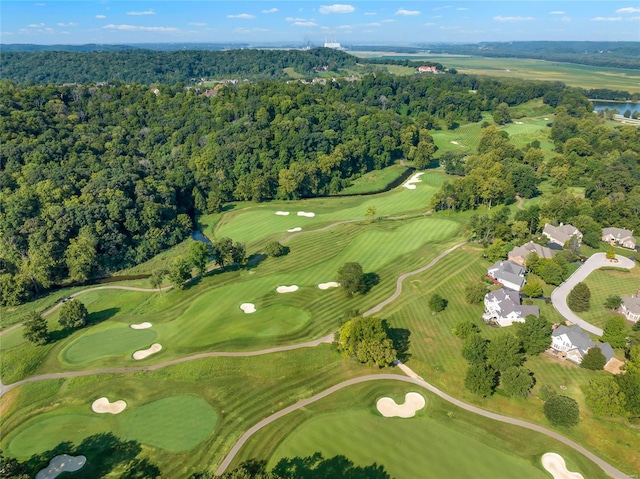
{"x": 331, "y": 284}
{"x": 412, "y": 402}
{"x": 304, "y": 213}
{"x": 60, "y": 464}
{"x": 145, "y": 325}
{"x": 554, "y": 463}
{"x": 287, "y": 289}
{"x": 293, "y": 230}
{"x": 248, "y": 308}
{"x": 103, "y": 405}
{"x": 143, "y": 353}
{"x": 282, "y": 213}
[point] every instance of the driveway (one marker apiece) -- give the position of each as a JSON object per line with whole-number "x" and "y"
{"x": 559, "y": 295}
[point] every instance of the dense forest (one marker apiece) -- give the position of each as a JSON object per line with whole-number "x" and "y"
{"x": 98, "y": 178}
{"x": 603, "y": 54}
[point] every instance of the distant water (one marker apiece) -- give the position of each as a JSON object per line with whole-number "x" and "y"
{"x": 200, "y": 237}
{"x": 614, "y": 105}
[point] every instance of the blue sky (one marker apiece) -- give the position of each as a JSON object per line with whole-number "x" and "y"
{"x": 364, "y": 22}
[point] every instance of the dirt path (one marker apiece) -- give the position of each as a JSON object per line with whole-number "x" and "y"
{"x": 418, "y": 381}
{"x": 520, "y": 200}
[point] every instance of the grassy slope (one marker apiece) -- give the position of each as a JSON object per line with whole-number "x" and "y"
{"x": 604, "y": 283}
{"x": 374, "y": 180}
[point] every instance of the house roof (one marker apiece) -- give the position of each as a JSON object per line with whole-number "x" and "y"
{"x": 619, "y": 234}
{"x": 509, "y": 302}
{"x": 578, "y": 337}
{"x": 607, "y": 350}
{"x": 561, "y": 233}
{"x": 508, "y": 271}
{"x": 531, "y": 247}
{"x": 632, "y": 303}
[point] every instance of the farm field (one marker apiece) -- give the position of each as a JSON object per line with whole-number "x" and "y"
{"x": 583, "y": 76}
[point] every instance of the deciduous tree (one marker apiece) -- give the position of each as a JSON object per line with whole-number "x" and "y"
{"x": 179, "y": 272}
{"x": 517, "y": 381}
{"x": 351, "y": 278}
{"x": 534, "y": 334}
{"x": 437, "y": 303}
{"x": 504, "y": 351}
{"x": 594, "y": 359}
{"x": 481, "y": 379}
{"x": 367, "y": 339}
{"x": 35, "y": 328}
{"x": 73, "y": 314}
{"x": 198, "y": 254}
{"x": 604, "y": 397}
{"x": 562, "y": 411}
{"x": 615, "y": 332}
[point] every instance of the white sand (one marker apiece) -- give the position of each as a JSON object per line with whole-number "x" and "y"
{"x": 103, "y": 405}
{"x": 546, "y": 119}
{"x": 282, "y": 213}
{"x": 331, "y": 284}
{"x": 60, "y": 464}
{"x": 455, "y": 142}
{"x": 308, "y": 215}
{"x": 293, "y": 230}
{"x": 287, "y": 289}
{"x": 248, "y": 308}
{"x": 519, "y": 122}
{"x": 145, "y": 325}
{"x": 412, "y": 402}
{"x": 410, "y": 183}
{"x": 554, "y": 463}
{"x": 143, "y": 353}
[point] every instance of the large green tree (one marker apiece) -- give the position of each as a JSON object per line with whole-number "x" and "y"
{"x": 474, "y": 348}
{"x": 437, "y": 303}
{"x": 35, "y": 328}
{"x": 198, "y": 254}
{"x": 504, "y": 351}
{"x": 579, "y": 297}
{"x": 562, "y": 411}
{"x": 474, "y": 292}
{"x": 80, "y": 255}
{"x": 351, "y": 278}
{"x": 517, "y": 381}
{"x": 481, "y": 379}
{"x": 594, "y": 359}
{"x": 179, "y": 272}
{"x": 368, "y": 340}
{"x": 73, "y": 314}
{"x": 534, "y": 334}
{"x": 604, "y": 397}
{"x": 615, "y": 332}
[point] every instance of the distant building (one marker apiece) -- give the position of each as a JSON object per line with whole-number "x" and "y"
{"x": 575, "y": 342}
{"x": 427, "y": 69}
{"x": 561, "y": 234}
{"x": 508, "y": 273}
{"x": 620, "y": 237}
{"x": 630, "y": 307}
{"x": 519, "y": 253}
{"x": 504, "y": 308}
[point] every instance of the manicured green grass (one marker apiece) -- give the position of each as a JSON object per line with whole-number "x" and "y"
{"x": 121, "y": 341}
{"x": 375, "y": 180}
{"x": 605, "y": 283}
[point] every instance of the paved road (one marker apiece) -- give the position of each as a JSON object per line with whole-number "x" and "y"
{"x": 559, "y": 295}
{"x": 418, "y": 381}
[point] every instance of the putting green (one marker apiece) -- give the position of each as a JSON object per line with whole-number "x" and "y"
{"x": 405, "y": 447}
{"x": 176, "y": 423}
{"x": 118, "y": 340}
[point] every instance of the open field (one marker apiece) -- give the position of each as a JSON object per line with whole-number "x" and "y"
{"x": 374, "y": 180}
{"x": 572, "y": 74}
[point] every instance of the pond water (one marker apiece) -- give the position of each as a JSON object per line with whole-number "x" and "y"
{"x": 614, "y": 105}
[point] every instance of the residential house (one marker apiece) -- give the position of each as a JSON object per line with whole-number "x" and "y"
{"x": 575, "y": 342}
{"x": 427, "y": 69}
{"x": 519, "y": 253}
{"x": 619, "y": 236}
{"x": 561, "y": 234}
{"x": 507, "y": 273}
{"x": 630, "y": 307}
{"x": 503, "y": 307}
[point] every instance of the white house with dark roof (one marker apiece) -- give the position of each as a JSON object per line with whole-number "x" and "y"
{"x": 630, "y": 307}
{"x": 620, "y": 237}
{"x": 508, "y": 273}
{"x": 561, "y": 234}
{"x": 503, "y": 307}
{"x": 519, "y": 253}
{"x": 575, "y": 342}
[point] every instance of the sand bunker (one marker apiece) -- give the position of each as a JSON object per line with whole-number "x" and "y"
{"x": 519, "y": 122}
{"x": 143, "y": 353}
{"x": 410, "y": 183}
{"x": 287, "y": 289}
{"x": 546, "y": 119}
{"x": 293, "y": 230}
{"x": 145, "y": 325}
{"x": 282, "y": 213}
{"x": 248, "y": 308}
{"x": 455, "y": 142}
{"x": 412, "y": 402}
{"x": 103, "y": 405}
{"x": 554, "y": 463}
{"x": 60, "y": 464}
{"x": 331, "y": 284}
{"x": 308, "y": 215}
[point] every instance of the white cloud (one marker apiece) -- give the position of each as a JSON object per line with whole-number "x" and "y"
{"x": 628, "y": 10}
{"x": 606, "y": 19}
{"x": 197, "y": 24}
{"x": 36, "y": 25}
{"x": 634, "y": 19}
{"x": 436, "y": 16}
{"x": 500, "y": 18}
{"x": 101, "y": 16}
{"x": 430, "y": 24}
{"x": 388, "y": 20}
{"x": 444, "y": 7}
{"x": 146, "y": 12}
{"x": 271, "y": 10}
{"x": 336, "y": 8}
{"x": 449, "y": 28}
{"x": 374, "y": 24}
{"x": 557, "y": 12}
{"x": 295, "y": 19}
{"x": 305, "y": 24}
{"x": 462, "y": 9}
{"x": 60, "y": 24}
{"x": 250, "y": 30}
{"x": 6, "y": 33}
{"x": 370, "y": 13}
{"x": 407, "y": 13}
{"x": 244, "y": 16}
{"x": 135, "y": 28}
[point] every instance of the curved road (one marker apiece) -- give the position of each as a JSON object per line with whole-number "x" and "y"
{"x": 559, "y": 295}
{"x": 606, "y": 467}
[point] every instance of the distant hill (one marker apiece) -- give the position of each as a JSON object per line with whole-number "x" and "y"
{"x": 604, "y": 54}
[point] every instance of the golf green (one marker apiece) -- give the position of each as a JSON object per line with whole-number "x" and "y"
{"x": 407, "y": 448}
{"x": 117, "y": 340}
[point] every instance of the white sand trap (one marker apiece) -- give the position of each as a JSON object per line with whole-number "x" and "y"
{"x": 546, "y": 119}
{"x": 554, "y": 463}
{"x": 248, "y": 308}
{"x": 282, "y": 213}
{"x": 293, "y": 230}
{"x": 410, "y": 183}
{"x": 287, "y": 289}
{"x": 145, "y": 325}
{"x": 304, "y": 213}
{"x": 143, "y": 353}
{"x": 455, "y": 142}
{"x": 60, "y": 464}
{"x": 412, "y": 402}
{"x": 519, "y": 122}
{"x": 103, "y": 405}
{"x": 331, "y": 284}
